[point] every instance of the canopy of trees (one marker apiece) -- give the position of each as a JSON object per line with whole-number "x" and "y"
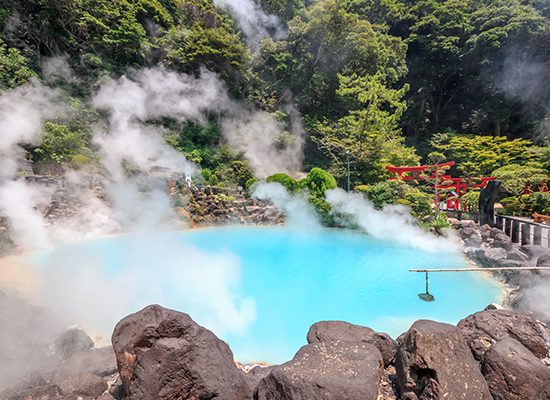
{"x": 379, "y": 81}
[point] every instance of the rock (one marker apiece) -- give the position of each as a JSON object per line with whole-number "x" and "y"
{"x": 514, "y": 373}
{"x": 163, "y": 353}
{"x": 434, "y": 362}
{"x": 496, "y": 231}
{"x": 467, "y": 232}
{"x": 491, "y": 257}
{"x": 474, "y": 241}
{"x": 86, "y": 386}
{"x": 517, "y": 255}
{"x": 533, "y": 251}
{"x": 73, "y": 341}
{"x": 251, "y": 201}
{"x": 332, "y": 370}
{"x": 100, "y": 362}
{"x": 502, "y": 241}
{"x": 326, "y": 331}
{"x": 544, "y": 260}
{"x": 484, "y": 328}
{"x": 208, "y": 190}
{"x": 494, "y": 306}
{"x": 270, "y": 211}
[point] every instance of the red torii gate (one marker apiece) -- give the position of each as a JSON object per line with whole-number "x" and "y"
{"x": 460, "y": 186}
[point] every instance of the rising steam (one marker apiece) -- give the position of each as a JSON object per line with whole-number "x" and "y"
{"x": 393, "y": 223}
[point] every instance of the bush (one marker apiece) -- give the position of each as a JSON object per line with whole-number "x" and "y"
{"x": 470, "y": 200}
{"x": 383, "y": 193}
{"x": 419, "y": 203}
{"x": 287, "y": 181}
{"x": 318, "y": 181}
{"x": 249, "y": 183}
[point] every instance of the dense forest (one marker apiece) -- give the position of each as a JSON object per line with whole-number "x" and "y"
{"x": 383, "y": 82}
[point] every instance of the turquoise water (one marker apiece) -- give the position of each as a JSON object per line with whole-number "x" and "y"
{"x": 260, "y": 289}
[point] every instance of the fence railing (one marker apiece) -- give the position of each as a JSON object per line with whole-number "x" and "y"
{"x": 524, "y": 232}
{"x": 519, "y": 230}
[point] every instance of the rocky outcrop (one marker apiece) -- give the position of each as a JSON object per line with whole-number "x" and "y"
{"x": 327, "y": 331}
{"x": 434, "y": 362}
{"x": 331, "y": 370}
{"x": 204, "y": 207}
{"x": 482, "y": 329}
{"x": 514, "y": 373}
{"x": 164, "y": 354}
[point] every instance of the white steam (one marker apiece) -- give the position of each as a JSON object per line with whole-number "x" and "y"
{"x": 255, "y": 24}
{"x": 22, "y": 113}
{"x": 393, "y": 223}
{"x": 300, "y": 214}
{"x": 98, "y": 284}
{"x": 266, "y": 142}
{"x": 20, "y": 202}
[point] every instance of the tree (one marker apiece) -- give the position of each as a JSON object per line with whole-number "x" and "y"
{"x": 371, "y": 131}
{"x": 437, "y": 172}
{"x": 483, "y": 154}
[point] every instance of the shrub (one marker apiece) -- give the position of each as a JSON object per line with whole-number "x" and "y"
{"x": 470, "y": 200}
{"x": 318, "y": 181}
{"x": 249, "y": 183}
{"x": 285, "y": 180}
{"x": 382, "y": 193}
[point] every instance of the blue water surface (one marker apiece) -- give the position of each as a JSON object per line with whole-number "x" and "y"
{"x": 294, "y": 279}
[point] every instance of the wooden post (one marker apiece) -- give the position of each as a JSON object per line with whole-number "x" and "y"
{"x": 515, "y": 231}
{"x": 537, "y": 235}
{"x": 499, "y": 222}
{"x": 525, "y": 234}
{"x": 508, "y": 227}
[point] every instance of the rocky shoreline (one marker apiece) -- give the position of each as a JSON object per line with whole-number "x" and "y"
{"x": 163, "y": 354}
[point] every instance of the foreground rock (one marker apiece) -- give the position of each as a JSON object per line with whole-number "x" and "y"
{"x": 333, "y": 370}
{"x": 514, "y": 373}
{"x": 484, "y": 328}
{"x": 326, "y": 331}
{"x": 434, "y": 362}
{"x": 164, "y": 354}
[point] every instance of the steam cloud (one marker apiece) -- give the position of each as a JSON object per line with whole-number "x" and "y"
{"x": 255, "y": 24}
{"x": 393, "y": 222}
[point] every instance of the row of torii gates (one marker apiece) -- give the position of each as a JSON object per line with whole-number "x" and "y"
{"x": 460, "y": 185}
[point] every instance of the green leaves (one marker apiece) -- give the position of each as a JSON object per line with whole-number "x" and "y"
{"x": 14, "y": 69}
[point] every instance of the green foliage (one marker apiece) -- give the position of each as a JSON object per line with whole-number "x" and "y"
{"x": 370, "y": 133}
{"x": 480, "y": 155}
{"x": 418, "y": 201}
{"x": 470, "y": 200}
{"x": 438, "y": 224}
{"x": 318, "y": 181}
{"x": 383, "y": 193}
{"x": 14, "y": 68}
{"x": 215, "y": 48}
{"x": 515, "y": 178}
{"x": 287, "y": 181}
{"x": 250, "y": 183}
{"x": 60, "y": 144}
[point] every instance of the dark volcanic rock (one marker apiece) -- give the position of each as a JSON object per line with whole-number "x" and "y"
{"x": 73, "y": 341}
{"x": 434, "y": 362}
{"x": 326, "y": 331}
{"x": 544, "y": 260}
{"x": 164, "y": 354}
{"x": 85, "y": 386}
{"x": 514, "y": 373}
{"x": 332, "y": 370}
{"x": 502, "y": 241}
{"x": 484, "y": 328}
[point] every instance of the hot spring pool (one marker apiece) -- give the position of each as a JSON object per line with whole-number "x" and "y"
{"x": 259, "y": 289}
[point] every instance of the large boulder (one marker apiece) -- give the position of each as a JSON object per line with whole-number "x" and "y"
{"x": 83, "y": 386}
{"x": 332, "y": 370}
{"x": 484, "y": 328}
{"x": 434, "y": 362}
{"x": 164, "y": 354}
{"x": 326, "y": 331}
{"x": 514, "y": 373}
{"x": 503, "y": 241}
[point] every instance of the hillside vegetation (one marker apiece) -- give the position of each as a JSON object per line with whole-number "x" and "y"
{"x": 385, "y": 81}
